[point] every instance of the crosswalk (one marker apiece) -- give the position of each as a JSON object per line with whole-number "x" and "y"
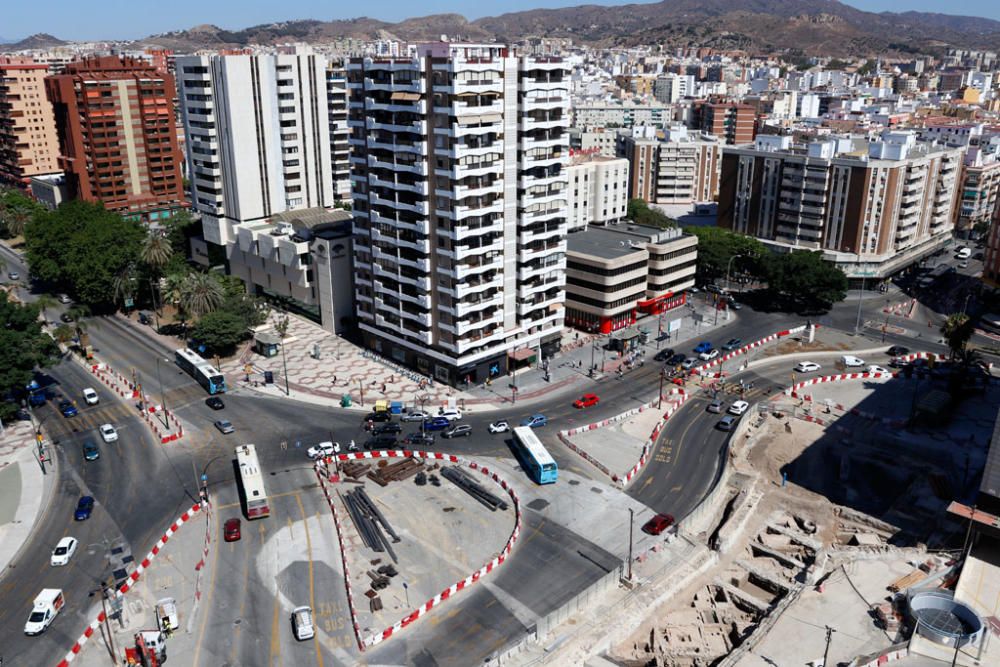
{"x": 88, "y": 419}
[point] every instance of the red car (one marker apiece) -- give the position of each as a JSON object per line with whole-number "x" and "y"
{"x": 658, "y": 524}
{"x": 231, "y": 530}
{"x": 586, "y": 401}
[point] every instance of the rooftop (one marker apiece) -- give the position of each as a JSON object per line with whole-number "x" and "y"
{"x": 615, "y": 241}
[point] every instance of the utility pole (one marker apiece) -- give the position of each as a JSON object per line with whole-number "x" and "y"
{"x": 163, "y": 396}
{"x": 829, "y": 636}
{"x": 593, "y": 347}
{"x": 968, "y": 532}
{"x": 631, "y": 521}
{"x": 659, "y": 402}
{"x": 857, "y": 323}
{"x": 107, "y": 626}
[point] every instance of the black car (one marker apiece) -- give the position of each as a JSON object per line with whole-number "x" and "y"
{"x": 388, "y": 427}
{"x": 663, "y": 355}
{"x": 676, "y": 359}
{"x": 381, "y": 441}
{"x": 66, "y": 317}
{"x": 897, "y": 351}
{"x": 215, "y": 403}
{"x": 380, "y": 416}
{"x": 419, "y": 438}
{"x": 458, "y": 431}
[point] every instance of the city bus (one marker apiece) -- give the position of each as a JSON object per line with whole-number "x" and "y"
{"x": 251, "y": 483}
{"x": 202, "y": 371}
{"x": 935, "y": 274}
{"x": 535, "y": 458}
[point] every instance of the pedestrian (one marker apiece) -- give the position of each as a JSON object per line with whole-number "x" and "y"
{"x": 383, "y": 387}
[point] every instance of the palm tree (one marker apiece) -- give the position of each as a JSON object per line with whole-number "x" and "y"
{"x": 44, "y": 302}
{"x": 200, "y": 293}
{"x": 123, "y": 284}
{"x": 63, "y": 333}
{"x": 156, "y": 252}
{"x": 957, "y": 330}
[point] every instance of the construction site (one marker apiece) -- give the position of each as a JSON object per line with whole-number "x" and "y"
{"x": 830, "y": 519}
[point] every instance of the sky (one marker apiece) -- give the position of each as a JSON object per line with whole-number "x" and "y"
{"x": 130, "y": 19}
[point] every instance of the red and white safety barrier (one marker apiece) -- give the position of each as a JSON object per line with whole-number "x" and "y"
{"x": 438, "y": 599}
{"x": 701, "y": 370}
{"x": 647, "y": 448}
{"x": 902, "y": 308}
{"x": 132, "y": 578}
{"x": 119, "y": 384}
{"x": 793, "y": 391}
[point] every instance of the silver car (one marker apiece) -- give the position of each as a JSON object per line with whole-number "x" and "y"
{"x": 225, "y": 426}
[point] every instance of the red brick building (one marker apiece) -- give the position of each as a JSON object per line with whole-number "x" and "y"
{"x": 732, "y": 123}
{"x": 117, "y": 138}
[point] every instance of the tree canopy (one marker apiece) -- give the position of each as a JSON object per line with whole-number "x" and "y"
{"x": 716, "y": 246}
{"x": 81, "y": 248}
{"x": 16, "y": 210}
{"x": 957, "y": 330}
{"x": 23, "y": 347}
{"x": 640, "y": 213}
{"x": 805, "y": 280}
{"x": 220, "y": 331}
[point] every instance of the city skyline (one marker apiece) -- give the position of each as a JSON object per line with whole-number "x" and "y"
{"x": 74, "y": 22}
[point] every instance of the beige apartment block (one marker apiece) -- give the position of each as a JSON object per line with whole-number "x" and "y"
{"x": 29, "y": 145}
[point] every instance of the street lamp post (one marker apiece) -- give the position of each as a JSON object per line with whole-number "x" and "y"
{"x": 857, "y": 323}
{"x": 163, "y": 396}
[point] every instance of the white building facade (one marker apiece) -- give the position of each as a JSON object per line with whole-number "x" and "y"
{"x": 598, "y": 190}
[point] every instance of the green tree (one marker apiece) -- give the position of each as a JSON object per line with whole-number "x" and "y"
{"x": 639, "y": 212}
{"x": 16, "y": 210}
{"x": 44, "y": 302}
{"x": 63, "y": 333}
{"x": 804, "y": 279}
{"x": 81, "y": 247}
{"x": 200, "y": 293}
{"x": 716, "y": 246}
{"x": 23, "y": 347}
{"x": 156, "y": 252}
{"x": 957, "y": 330}
{"x": 220, "y": 331}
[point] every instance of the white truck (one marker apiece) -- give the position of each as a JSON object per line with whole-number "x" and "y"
{"x": 47, "y": 606}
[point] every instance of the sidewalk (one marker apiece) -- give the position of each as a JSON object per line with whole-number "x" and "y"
{"x": 344, "y": 368}
{"x": 24, "y": 490}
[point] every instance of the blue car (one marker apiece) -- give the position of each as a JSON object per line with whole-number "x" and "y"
{"x": 703, "y": 346}
{"x": 437, "y": 424}
{"x": 534, "y": 421}
{"x": 68, "y": 409}
{"x": 84, "y": 508}
{"x": 90, "y": 451}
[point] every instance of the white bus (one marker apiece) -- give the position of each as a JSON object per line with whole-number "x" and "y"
{"x": 535, "y": 458}
{"x": 251, "y": 482}
{"x": 207, "y": 375}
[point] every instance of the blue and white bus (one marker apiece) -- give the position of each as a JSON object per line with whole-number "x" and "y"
{"x": 202, "y": 371}
{"x": 536, "y": 459}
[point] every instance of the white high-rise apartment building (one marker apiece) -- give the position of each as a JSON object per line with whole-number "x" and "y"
{"x": 336, "y": 95}
{"x": 458, "y": 158}
{"x": 259, "y": 140}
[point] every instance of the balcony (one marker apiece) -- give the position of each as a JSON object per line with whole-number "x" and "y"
{"x": 466, "y": 109}
{"x": 528, "y": 289}
{"x": 377, "y": 180}
{"x": 418, "y": 167}
{"x": 416, "y": 127}
{"x": 528, "y": 271}
{"x": 535, "y": 251}
{"x": 418, "y": 207}
{"x": 468, "y": 306}
{"x": 477, "y": 209}
{"x": 545, "y": 232}
{"x": 418, "y": 107}
{"x": 417, "y": 85}
{"x": 460, "y": 252}
{"x": 476, "y": 266}
{"x": 415, "y": 147}
{"x": 464, "y": 231}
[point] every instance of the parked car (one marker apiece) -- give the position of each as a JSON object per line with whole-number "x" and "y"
{"x": 415, "y": 416}
{"x": 14, "y": 275}
{"x": 302, "y": 623}
{"x": 964, "y": 264}
{"x": 231, "y": 530}
{"x": 727, "y": 423}
{"x": 535, "y": 420}
{"x": 807, "y": 367}
{"x": 499, "y": 426}
{"x": 898, "y": 351}
{"x": 586, "y": 401}
{"x": 457, "y": 431}
{"x": 323, "y": 449}
{"x": 733, "y": 303}
{"x": 703, "y": 346}
{"x": 63, "y": 552}
{"x": 419, "y": 438}
{"x": 84, "y": 508}
{"x": 738, "y": 408}
{"x": 108, "y": 433}
{"x": 658, "y": 524}
{"x": 709, "y": 355}
{"x": 90, "y": 451}
{"x": 715, "y": 289}
{"x": 380, "y": 416}
{"x": 66, "y": 317}
{"x": 689, "y": 363}
{"x": 732, "y": 344}
{"x": 451, "y": 414}
{"x": 68, "y": 409}
{"x": 215, "y": 403}
{"x": 878, "y": 369}
{"x": 436, "y": 424}
{"x": 851, "y": 361}
{"x": 225, "y": 426}
{"x": 90, "y": 396}
{"x": 676, "y": 359}
{"x": 387, "y": 427}
{"x": 663, "y": 355}
{"x": 65, "y": 299}
{"x": 381, "y": 441}
{"x": 716, "y": 406}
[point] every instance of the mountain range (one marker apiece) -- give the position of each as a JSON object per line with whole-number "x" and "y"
{"x": 811, "y": 27}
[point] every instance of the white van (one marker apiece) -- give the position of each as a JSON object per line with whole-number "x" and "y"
{"x": 46, "y": 607}
{"x": 302, "y": 623}
{"x": 852, "y": 362}
{"x": 963, "y": 253}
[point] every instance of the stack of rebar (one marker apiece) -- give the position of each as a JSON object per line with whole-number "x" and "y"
{"x": 354, "y": 469}
{"x": 462, "y": 480}
{"x": 370, "y": 522}
{"x": 396, "y": 472}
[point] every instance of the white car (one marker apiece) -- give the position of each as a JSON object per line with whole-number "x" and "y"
{"x": 451, "y": 414}
{"x": 807, "y": 367}
{"x": 708, "y": 356}
{"x": 322, "y": 449}
{"x": 90, "y": 396}
{"x": 415, "y": 416}
{"x": 852, "y": 362}
{"x": 302, "y": 623}
{"x": 738, "y": 407}
{"x": 878, "y": 369}
{"x": 64, "y": 551}
{"x": 65, "y": 299}
{"x": 108, "y": 433}
{"x": 499, "y": 426}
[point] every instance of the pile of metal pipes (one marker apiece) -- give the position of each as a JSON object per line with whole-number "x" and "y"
{"x": 464, "y": 481}
{"x": 370, "y": 522}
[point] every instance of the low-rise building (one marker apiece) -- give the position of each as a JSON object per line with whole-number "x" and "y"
{"x": 615, "y": 273}
{"x": 598, "y": 190}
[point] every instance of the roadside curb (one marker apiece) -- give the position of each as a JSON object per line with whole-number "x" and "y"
{"x": 497, "y": 561}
